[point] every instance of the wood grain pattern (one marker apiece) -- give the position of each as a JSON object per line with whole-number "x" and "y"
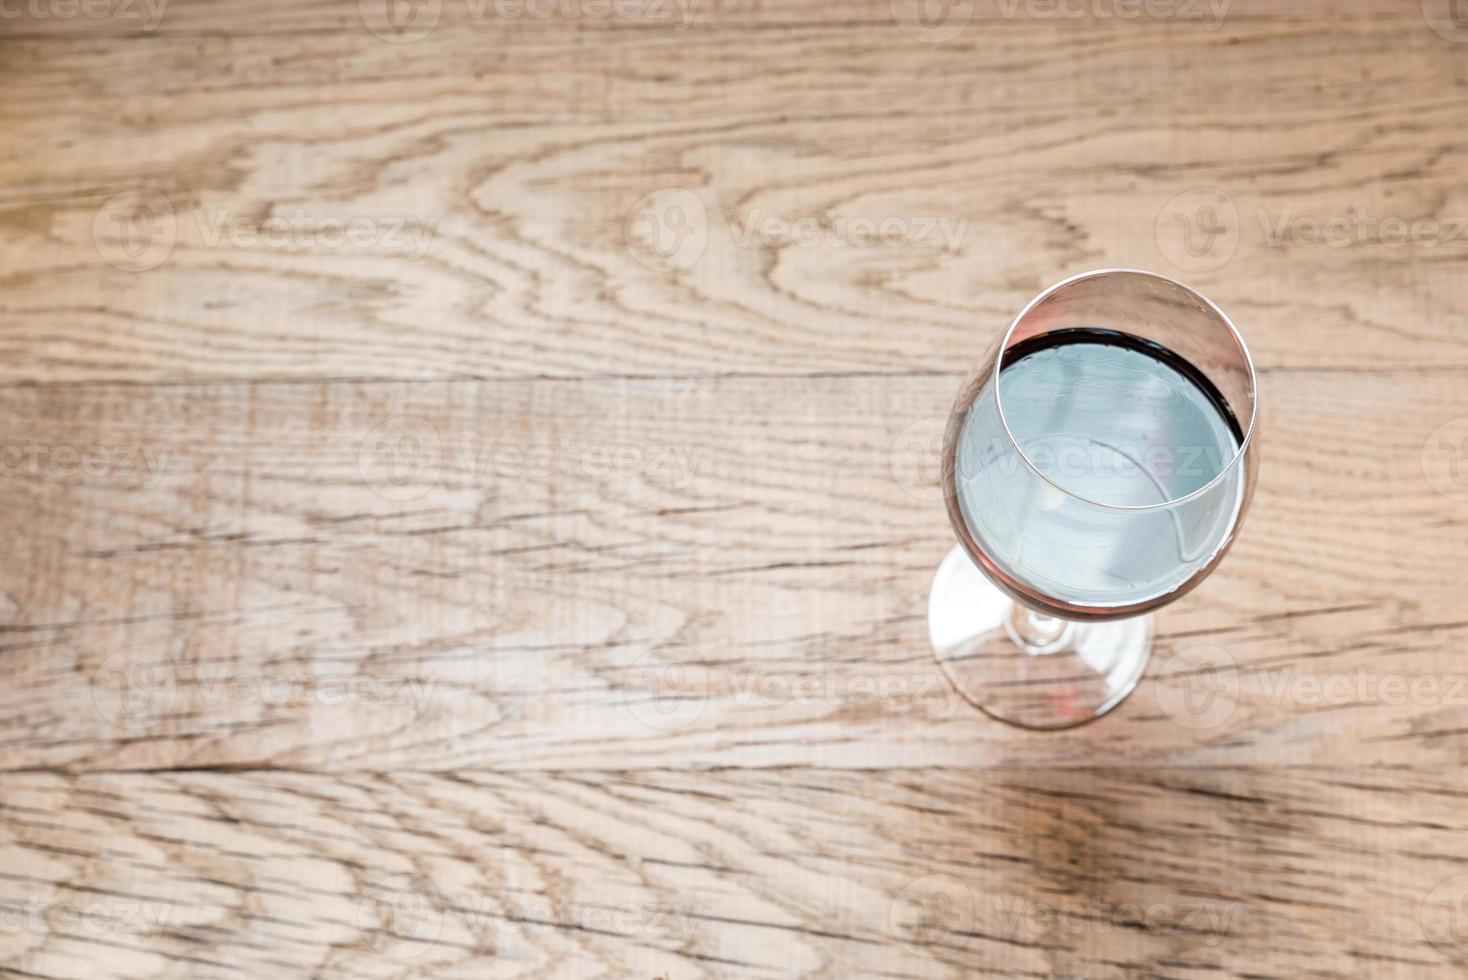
{"x": 523, "y": 597}
{"x": 235, "y": 18}
{"x": 920, "y": 873}
{"x": 467, "y": 501}
{"x": 528, "y": 163}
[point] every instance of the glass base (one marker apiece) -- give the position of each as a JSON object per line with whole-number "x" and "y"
{"x": 1025, "y": 669}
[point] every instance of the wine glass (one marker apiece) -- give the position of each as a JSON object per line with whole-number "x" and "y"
{"x": 1097, "y": 465}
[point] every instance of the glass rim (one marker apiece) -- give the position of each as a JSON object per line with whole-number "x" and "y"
{"x": 1209, "y": 305}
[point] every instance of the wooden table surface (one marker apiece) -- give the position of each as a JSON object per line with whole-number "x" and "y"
{"x": 466, "y": 479}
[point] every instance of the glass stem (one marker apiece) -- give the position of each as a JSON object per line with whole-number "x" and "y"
{"x": 1036, "y": 633}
